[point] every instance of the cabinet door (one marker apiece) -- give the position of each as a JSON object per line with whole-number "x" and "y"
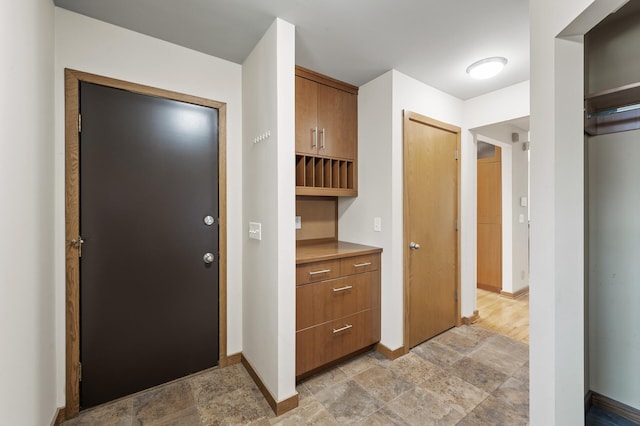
{"x": 332, "y": 340}
{"x": 328, "y": 300}
{"x": 306, "y": 116}
{"x": 337, "y": 123}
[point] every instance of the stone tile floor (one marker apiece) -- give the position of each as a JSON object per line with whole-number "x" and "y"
{"x": 465, "y": 376}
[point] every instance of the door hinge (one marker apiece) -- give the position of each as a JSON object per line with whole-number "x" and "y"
{"x": 77, "y": 243}
{"x": 79, "y": 371}
{"x": 456, "y": 154}
{"x": 456, "y": 295}
{"x": 79, "y": 123}
{"x": 456, "y": 224}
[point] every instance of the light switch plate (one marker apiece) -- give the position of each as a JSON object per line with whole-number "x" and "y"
{"x": 298, "y": 222}
{"x": 255, "y": 230}
{"x": 377, "y": 224}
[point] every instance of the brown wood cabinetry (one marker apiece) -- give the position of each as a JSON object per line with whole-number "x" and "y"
{"x": 337, "y": 123}
{"x": 337, "y": 302}
{"x": 326, "y": 135}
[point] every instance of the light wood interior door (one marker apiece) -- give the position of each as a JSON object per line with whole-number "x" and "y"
{"x": 489, "y": 267}
{"x": 431, "y": 176}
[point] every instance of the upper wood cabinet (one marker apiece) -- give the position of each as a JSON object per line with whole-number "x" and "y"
{"x": 337, "y": 123}
{"x": 306, "y": 116}
{"x": 326, "y": 116}
{"x": 326, "y": 135}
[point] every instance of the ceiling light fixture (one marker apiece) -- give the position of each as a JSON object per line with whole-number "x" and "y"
{"x": 486, "y": 68}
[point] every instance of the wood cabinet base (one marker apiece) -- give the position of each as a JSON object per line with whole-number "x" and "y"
{"x": 337, "y": 305}
{"x": 334, "y": 363}
{"x": 316, "y": 346}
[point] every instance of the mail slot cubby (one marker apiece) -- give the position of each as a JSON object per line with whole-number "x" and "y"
{"x": 325, "y": 176}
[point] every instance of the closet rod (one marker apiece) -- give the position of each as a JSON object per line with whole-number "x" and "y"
{"x": 614, "y": 110}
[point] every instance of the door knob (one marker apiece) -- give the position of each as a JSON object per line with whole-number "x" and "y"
{"x": 414, "y": 246}
{"x": 208, "y": 258}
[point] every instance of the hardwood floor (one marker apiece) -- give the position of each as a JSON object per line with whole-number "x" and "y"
{"x": 509, "y": 317}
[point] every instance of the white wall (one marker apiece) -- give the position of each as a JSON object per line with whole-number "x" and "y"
{"x": 614, "y": 293}
{"x": 520, "y": 231}
{"x": 496, "y": 107}
{"x": 412, "y": 95}
{"x": 27, "y": 333}
{"x": 506, "y": 201}
{"x": 269, "y": 198}
{"x": 557, "y": 226}
{"x": 515, "y": 180}
{"x": 380, "y": 157}
{"x": 483, "y": 115}
{"x": 374, "y": 191}
{"x": 381, "y": 103}
{"x": 96, "y": 47}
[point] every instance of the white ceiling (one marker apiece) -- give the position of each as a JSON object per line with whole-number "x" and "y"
{"x": 352, "y": 40}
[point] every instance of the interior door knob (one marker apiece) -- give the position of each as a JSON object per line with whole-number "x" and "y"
{"x": 208, "y": 258}
{"x": 414, "y": 246}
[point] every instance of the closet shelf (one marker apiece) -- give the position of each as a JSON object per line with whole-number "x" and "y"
{"x": 613, "y": 110}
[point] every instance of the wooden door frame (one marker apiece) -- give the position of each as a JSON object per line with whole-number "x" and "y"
{"x": 72, "y": 218}
{"x": 412, "y": 116}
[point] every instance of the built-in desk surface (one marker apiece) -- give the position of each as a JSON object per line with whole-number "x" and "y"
{"x": 316, "y": 252}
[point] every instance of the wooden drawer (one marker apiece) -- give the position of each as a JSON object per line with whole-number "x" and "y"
{"x": 328, "y": 300}
{"x": 317, "y": 271}
{"x": 324, "y": 343}
{"x": 359, "y": 264}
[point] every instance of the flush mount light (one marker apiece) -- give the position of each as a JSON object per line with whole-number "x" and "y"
{"x": 486, "y": 68}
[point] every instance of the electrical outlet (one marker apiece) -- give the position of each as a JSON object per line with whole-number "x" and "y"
{"x": 298, "y": 222}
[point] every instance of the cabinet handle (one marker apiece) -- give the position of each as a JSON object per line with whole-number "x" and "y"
{"x": 338, "y": 330}
{"x": 346, "y": 287}
{"x": 324, "y": 271}
{"x": 360, "y": 265}
{"x": 322, "y": 146}
{"x": 315, "y": 138}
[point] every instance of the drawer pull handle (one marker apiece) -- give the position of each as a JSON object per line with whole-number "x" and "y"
{"x": 360, "y": 265}
{"x": 338, "y": 330}
{"x": 324, "y": 271}
{"x": 346, "y": 287}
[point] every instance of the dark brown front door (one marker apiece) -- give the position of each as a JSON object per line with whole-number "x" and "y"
{"x": 148, "y": 299}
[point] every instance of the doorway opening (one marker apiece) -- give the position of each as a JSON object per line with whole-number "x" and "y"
{"x": 503, "y": 227}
